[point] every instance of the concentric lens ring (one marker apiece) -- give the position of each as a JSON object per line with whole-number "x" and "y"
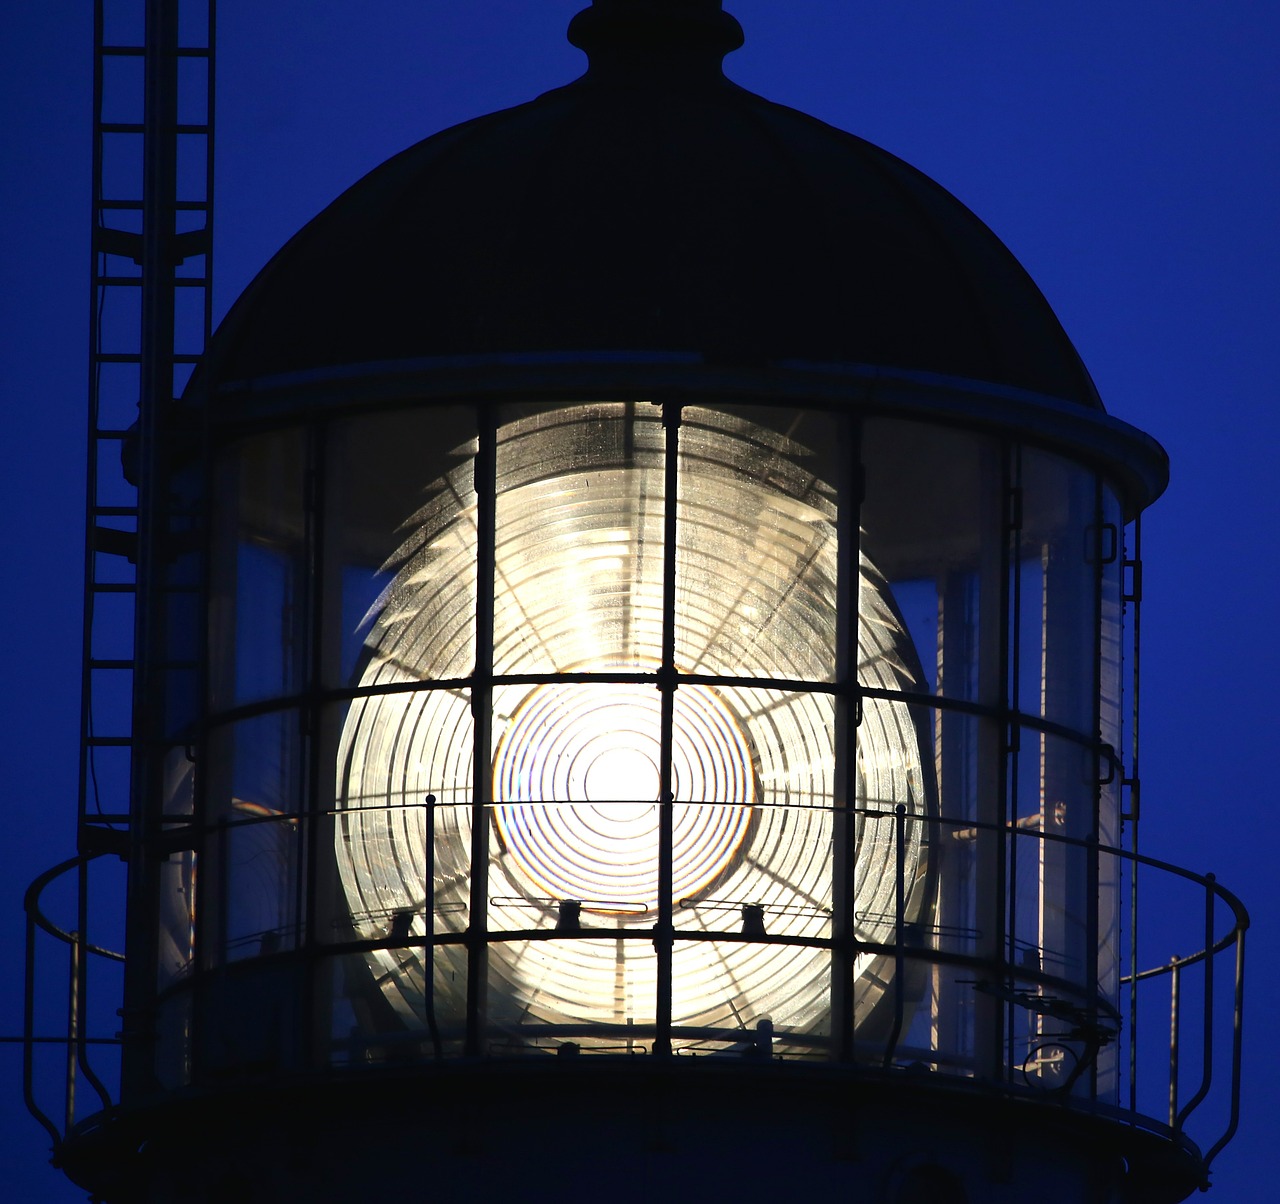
{"x": 575, "y": 781}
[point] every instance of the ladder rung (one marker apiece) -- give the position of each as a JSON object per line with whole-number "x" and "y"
{"x": 96, "y": 839}
{"x": 114, "y": 541}
{"x": 136, "y": 128}
{"x": 191, "y": 242}
{"x": 182, "y": 52}
{"x": 115, "y": 511}
{"x": 113, "y": 664}
{"x": 135, "y": 282}
{"x": 118, "y": 357}
{"x": 116, "y": 203}
{"x": 114, "y": 587}
{"x": 108, "y": 741}
{"x": 124, "y": 243}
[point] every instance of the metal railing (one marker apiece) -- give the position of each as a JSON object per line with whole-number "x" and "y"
{"x": 1178, "y": 1090}
{"x": 81, "y": 954}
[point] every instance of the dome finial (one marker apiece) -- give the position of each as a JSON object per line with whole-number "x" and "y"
{"x": 679, "y": 32}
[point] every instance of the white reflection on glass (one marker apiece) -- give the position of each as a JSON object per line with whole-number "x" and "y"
{"x": 577, "y": 765}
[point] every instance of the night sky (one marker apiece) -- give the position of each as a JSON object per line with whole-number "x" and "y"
{"x": 1128, "y": 153}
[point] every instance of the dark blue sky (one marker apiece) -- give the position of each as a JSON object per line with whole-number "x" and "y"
{"x": 1129, "y": 155}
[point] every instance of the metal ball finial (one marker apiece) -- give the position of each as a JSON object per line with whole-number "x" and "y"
{"x": 690, "y": 32}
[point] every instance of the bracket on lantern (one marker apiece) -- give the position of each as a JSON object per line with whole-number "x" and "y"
{"x": 1084, "y": 1028}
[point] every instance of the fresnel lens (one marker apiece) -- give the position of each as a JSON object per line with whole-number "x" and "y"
{"x": 573, "y": 842}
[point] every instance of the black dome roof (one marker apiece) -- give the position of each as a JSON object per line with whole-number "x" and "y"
{"x": 651, "y": 206}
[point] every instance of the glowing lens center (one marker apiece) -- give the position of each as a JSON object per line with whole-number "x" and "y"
{"x": 625, "y": 777}
{"x": 576, "y": 780}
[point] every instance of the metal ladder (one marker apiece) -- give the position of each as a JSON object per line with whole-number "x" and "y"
{"x": 151, "y": 316}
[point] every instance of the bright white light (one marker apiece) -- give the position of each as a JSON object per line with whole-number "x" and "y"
{"x": 575, "y": 785}
{"x": 577, "y": 765}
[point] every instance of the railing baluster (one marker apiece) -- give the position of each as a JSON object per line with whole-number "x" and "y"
{"x": 1175, "y": 997}
{"x": 1210, "y": 897}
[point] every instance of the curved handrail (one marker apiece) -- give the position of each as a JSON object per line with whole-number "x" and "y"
{"x": 31, "y": 905}
{"x": 76, "y": 1038}
{"x": 1216, "y": 896}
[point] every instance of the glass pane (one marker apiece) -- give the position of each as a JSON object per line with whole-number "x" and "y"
{"x": 1061, "y": 534}
{"x": 257, "y": 634}
{"x": 179, "y": 615}
{"x": 597, "y": 992}
{"x": 933, "y": 526}
{"x": 941, "y": 1005}
{"x": 751, "y": 999}
{"x": 175, "y": 938}
{"x": 1065, "y": 948}
{"x": 920, "y": 616}
{"x": 776, "y": 881}
{"x": 268, "y": 646}
{"x": 404, "y": 770}
{"x": 253, "y": 802}
{"x": 579, "y": 539}
{"x": 756, "y": 561}
{"x": 256, "y": 768}
{"x": 400, "y": 547}
{"x": 401, "y": 839}
{"x": 575, "y": 822}
{"x": 371, "y": 1026}
{"x": 968, "y": 918}
{"x": 261, "y": 858}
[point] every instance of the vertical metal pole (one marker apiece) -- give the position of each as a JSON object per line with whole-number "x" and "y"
{"x": 429, "y": 923}
{"x": 1135, "y": 812}
{"x": 29, "y": 1019}
{"x": 73, "y": 1031}
{"x": 317, "y": 589}
{"x": 990, "y": 739}
{"x": 1175, "y": 997}
{"x": 486, "y": 485}
{"x": 1012, "y": 728}
{"x": 850, "y": 486}
{"x": 159, "y": 205}
{"x": 1093, "y": 870}
{"x": 1237, "y": 1047}
{"x": 664, "y": 932}
{"x": 80, "y": 984}
{"x": 899, "y": 905}
{"x": 1207, "y": 959}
